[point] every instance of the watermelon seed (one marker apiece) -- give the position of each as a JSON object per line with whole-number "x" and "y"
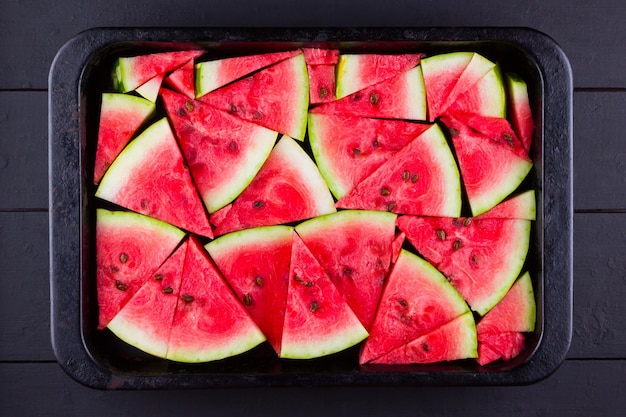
{"x": 258, "y": 281}
{"x": 403, "y": 302}
{"x": 247, "y": 299}
{"x": 158, "y": 277}
{"x": 467, "y": 222}
{"x": 189, "y": 105}
{"x": 356, "y": 151}
{"x": 314, "y": 306}
{"x": 120, "y": 285}
{"x": 385, "y": 191}
{"x": 232, "y": 146}
{"x": 414, "y": 178}
{"x": 187, "y": 298}
{"x": 508, "y": 138}
{"x": 144, "y": 204}
{"x": 441, "y": 234}
{"x": 391, "y": 205}
{"x": 357, "y": 97}
{"x": 257, "y": 115}
{"x": 114, "y": 269}
{"x": 454, "y": 132}
{"x": 123, "y": 258}
{"x": 375, "y": 143}
{"x": 405, "y": 176}
{"x": 181, "y": 112}
{"x": 168, "y": 290}
{"x": 348, "y": 271}
{"x": 323, "y": 92}
{"x": 457, "y": 244}
{"x": 374, "y": 98}
{"x": 233, "y": 108}
{"x": 474, "y": 260}
{"x": 425, "y": 347}
{"x": 258, "y": 204}
{"x": 299, "y": 279}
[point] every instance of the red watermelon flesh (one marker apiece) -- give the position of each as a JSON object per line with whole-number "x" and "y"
{"x": 150, "y": 177}
{"x": 481, "y": 258}
{"x": 519, "y": 110}
{"x": 129, "y": 249}
{"x": 492, "y": 167}
{"x": 486, "y": 97}
{"x": 145, "y": 321}
{"x": 451, "y": 341}
{"x": 416, "y": 300}
{"x": 321, "y": 56}
{"x": 255, "y": 262}
{"x": 494, "y": 346}
{"x": 131, "y": 72}
{"x": 399, "y": 97}
{"x": 121, "y": 115}
{"x": 396, "y": 246}
{"x": 183, "y": 80}
{"x": 354, "y": 248}
{"x": 276, "y": 97}
{"x": 318, "y": 321}
{"x": 347, "y": 149}
{"x": 209, "y": 322}
{"x": 321, "y": 83}
{"x": 521, "y": 206}
{"x": 288, "y": 188}
{"x": 358, "y": 71}
{"x": 422, "y": 178}
{"x": 223, "y": 152}
{"x": 211, "y": 75}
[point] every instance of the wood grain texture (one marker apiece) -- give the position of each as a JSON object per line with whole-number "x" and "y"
{"x": 33, "y": 31}
{"x": 577, "y": 388}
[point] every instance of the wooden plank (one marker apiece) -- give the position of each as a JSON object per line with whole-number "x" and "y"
{"x": 34, "y": 32}
{"x": 23, "y": 150}
{"x": 25, "y": 306}
{"x": 599, "y": 150}
{"x": 577, "y": 388}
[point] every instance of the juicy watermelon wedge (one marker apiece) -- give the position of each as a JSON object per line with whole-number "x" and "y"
{"x": 209, "y": 323}
{"x": 146, "y": 319}
{"x": 519, "y": 109}
{"x": 129, "y": 249}
{"x": 150, "y": 89}
{"x": 121, "y": 115}
{"x": 416, "y": 300}
{"x": 480, "y": 257}
{"x": 276, "y": 97}
{"x": 347, "y": 149}
{"x": 399, "y": 97}
{"x": 150, "y": 177}
{"x": 521, "y": 206}
{"x": 288, "y": 188}
{"x": 451, "y": 341}
{"x": 131, "y": 72}
{"x": 485, "y": 98}
{"x": 354, "y": 248}
{"x": 255, "y": 262}
{"x": 422, "y": 178}
{"x": 183, "y": 80}
{"x": 223, "y": 152}
{"x": 318, "y": 321}
{"x": 320, "y": 56}
{"x": 358, "y": 71}
{"x": 211, "y": 75}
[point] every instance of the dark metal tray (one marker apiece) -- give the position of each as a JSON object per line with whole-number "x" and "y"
{"x": 80, "y": 72}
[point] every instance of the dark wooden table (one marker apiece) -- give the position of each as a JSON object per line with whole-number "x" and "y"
{"x": 591, "y": 381}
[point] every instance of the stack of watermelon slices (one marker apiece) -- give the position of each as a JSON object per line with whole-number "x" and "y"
{"x": 317, "y": 200}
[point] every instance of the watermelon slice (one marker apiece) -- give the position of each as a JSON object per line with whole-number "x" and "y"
{"x": 486, "y": 97}
{"x": 150, "y": 89}
{"x": 150, "y": 177}
{"x": 492, "y": 165}
{"x": 129, "y": 248}
{"x": 320, "y": 56}
{"x": 347, "y": 149}
{"x": 321, "y": 83}
{"x": 422, "y": 178}
{"x": 182, "y": 80}
{"x": 131, "y": 72}
{"x": 519, "y": 109}
{"x": 521, "y": 206}
{"x": 255, "y": 262}
{"x": 451, "y": 341}
{"x": 223, "y": 152}
{"x": 399, "y": 97}
{"x": 211, "y": 75}
{"x": 209, "y": 322}
{"x": 288, "y": 188}
{"x": 354, "y": 248}
{"x": 358, "y": 71}
{"x": 318, "y": 321}
{"x": 276, "y": 97}
{"x": 416, "y": 300}
{"x": 480, "y": 257}
{"x": 121, "y": 115}
{"x": 146, "y": 319}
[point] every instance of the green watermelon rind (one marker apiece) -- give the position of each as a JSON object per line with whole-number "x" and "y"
{"x": 128, "y": 218}
{"x": 324, "y": 164}
{"x": 230, "y": 242}
{"x": 309, "y": 227}
{"x": 299, "y": 122}
{"x": 150, "y": 89}
{"x": 524, "y": 204}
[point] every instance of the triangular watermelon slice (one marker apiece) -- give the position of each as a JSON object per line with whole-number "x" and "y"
{"x": 255, "y": 262}
{"x": 288, "y": 188}
{"x": 183, "y": 80}
{"x": 521, "y": 206}
{"x": 150, "y": 177}
{"x": 518, "y": 105}
{"x": 480, "y": 257}
{"x": 422, "y": 178}
{"x": 276, "y": 97}
{"x": 358, "y": 71}
{"x": 318, "y": 321}
{"x": 399, "y": 97}
{"x": 223, "y": 152}
{"x": 209, "y": 323}
{"x": 347, "y": 149}
{"x": 150, "y": 89}
{"x": 211, "y": 75}
{"x": 129, "y": 249}
{"x": 131, "y": 72}
{"x": 416, "y": 300}
{"x": 354, "y": 248}
{"x": 451, "y": 341}
{"x": 121, "y": 115}
{"x": 146, "y": 320}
